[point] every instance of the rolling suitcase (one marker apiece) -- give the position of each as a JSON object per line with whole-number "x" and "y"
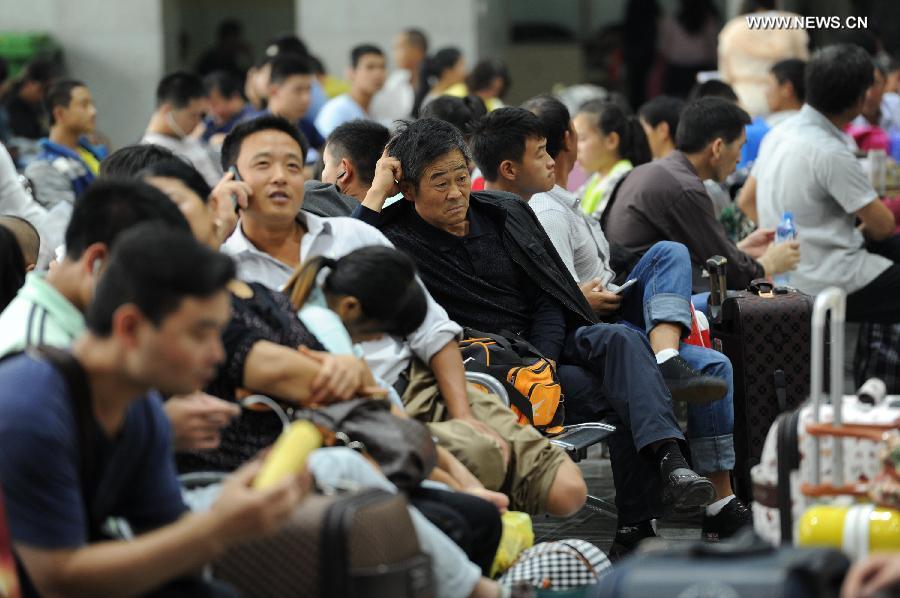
{"x": 347, "y": 545}
{"x": 765, "y": 332}
{"x": 820, "y": 450}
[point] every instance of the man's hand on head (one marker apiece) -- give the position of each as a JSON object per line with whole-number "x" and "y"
{"x": 388, "y": 173}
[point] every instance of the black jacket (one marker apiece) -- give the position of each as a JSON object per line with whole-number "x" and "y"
{"x": 525, "y": 240}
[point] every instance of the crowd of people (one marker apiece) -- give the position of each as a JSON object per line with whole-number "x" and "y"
{"x": 265, "y": 239}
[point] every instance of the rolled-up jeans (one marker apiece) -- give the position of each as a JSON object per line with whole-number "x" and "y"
{"x": 662, "y": 294}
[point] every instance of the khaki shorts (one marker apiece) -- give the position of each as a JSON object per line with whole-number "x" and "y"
{"x": 533, "y": 460}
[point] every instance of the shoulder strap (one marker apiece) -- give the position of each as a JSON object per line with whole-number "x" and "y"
{"x": 79, "y": 393}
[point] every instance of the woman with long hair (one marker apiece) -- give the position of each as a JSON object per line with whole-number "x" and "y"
{"x": 440, "y": 72}
{"x": 610, "y": 144}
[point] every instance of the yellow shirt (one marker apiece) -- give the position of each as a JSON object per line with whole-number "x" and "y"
{"x": 90, "y": 160}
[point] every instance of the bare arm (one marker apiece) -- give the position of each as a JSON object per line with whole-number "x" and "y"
{"x": 450, "y": 373}
{"x": 448, "y": 369}
{"x": 279, "y": 371}
{"x": 746, "y": 200}
{"x": 877, "y": 220}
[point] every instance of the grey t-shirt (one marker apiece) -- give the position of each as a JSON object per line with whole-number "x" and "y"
{"x": 805, "y": 167}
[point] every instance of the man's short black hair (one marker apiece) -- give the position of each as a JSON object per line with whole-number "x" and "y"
{"x": 793, "y": 70}
{"x": 362, "y": 143}
{"x": 501, "y": 135}
{"x": 179, "y": 89}
{"x": 418, "y": 144}
{"x": 361, "y": 50}
{"x": 287, "y": 65}
{"x": 665, "y": 109}
{"x": 60, "y": 94}
{"x": 837, "y": 77}
{"x": 286, "y": 44}
{"x": 127, "y": 161}
{"x": 231, "y": 147}
{"x": 224, "y": 83}
{"x": 26, "y": 234}
{"x": 714, "y": 88}
{"x": 12, "y": 267}
{"x": 109, "y": 207}
{"x": 141, "y": 271}
{"x": 316, "y": 64}
{"x": 706, "y": 120}
{"x": 459, "y": 112}
{"x": 555, "y": 118}
{"x": 416, "y": 37}
{"x": 182, "y": 171}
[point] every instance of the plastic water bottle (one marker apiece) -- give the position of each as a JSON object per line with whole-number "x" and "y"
{"x": 786, "y": 231}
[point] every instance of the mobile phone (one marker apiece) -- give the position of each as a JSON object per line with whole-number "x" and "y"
{"x": 237, "y": 177}
{"x": 625, "y": 286}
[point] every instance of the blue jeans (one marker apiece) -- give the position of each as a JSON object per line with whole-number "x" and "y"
{"x": 710, "y": 426}
{"x": 662, "y": 293}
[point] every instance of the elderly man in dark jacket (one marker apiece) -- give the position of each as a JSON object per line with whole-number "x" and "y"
{"x": 487, "y": 260}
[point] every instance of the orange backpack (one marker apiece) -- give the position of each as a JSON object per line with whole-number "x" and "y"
{"x": 535, "y": 395}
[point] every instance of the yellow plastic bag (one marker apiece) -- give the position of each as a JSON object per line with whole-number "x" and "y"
{"x": 517, "y": 536}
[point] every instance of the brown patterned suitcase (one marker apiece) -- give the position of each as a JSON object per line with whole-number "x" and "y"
{"x": 766, "y": 333}
{"x": 349, "y": 544}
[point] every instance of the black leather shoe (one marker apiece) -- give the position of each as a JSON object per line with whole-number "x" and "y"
{"x": 628, "y": 538}
{"x": 733, "y": 517}
{"x": 688, "y": 385}
{"x": 684, "y": 489}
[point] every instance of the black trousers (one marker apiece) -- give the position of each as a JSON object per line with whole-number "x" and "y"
{"x": 471, "y": 522}
{"x": 879, "y": 301}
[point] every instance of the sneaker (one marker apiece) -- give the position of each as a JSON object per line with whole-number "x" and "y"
{"x": 688, "y": 385}
{"x": 732, "y": 518}
{"x": 628, "y": 538}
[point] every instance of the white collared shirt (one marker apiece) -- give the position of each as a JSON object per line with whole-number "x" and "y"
{"x": 335, "y": 238}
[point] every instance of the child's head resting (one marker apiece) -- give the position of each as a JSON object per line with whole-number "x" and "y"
{"x": 374, "y": 290}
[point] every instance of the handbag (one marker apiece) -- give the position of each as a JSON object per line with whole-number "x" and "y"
{"x": 403, "y": 448}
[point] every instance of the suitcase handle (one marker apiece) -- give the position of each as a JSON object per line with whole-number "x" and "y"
{"x": 874, "y": 433}
{"x": 716, "y": 266}
{"x": 834, "y": 301}
{"x": 825, "y": 490}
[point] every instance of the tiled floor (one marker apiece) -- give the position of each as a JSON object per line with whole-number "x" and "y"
{"x": 599, "y": 528}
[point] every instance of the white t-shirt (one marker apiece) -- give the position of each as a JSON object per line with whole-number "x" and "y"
{"x": 338, "y": 111}
{"x": 805, "y": 167}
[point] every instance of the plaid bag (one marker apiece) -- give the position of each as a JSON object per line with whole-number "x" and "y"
{"x": 878, "y": 355}
{"x": 560, "y": 565}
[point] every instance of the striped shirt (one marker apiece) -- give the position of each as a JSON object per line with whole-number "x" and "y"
{"x": 39, "y": 315}
{"x": 577, "y": 237}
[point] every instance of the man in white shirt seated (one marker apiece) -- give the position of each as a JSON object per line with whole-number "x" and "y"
{"x": 395, "y": 100}
{"x": 180, "y": 106}
{"x": 366, "y": 75}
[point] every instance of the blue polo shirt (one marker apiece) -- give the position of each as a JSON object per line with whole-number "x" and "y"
{"x": 39, "y": 461}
